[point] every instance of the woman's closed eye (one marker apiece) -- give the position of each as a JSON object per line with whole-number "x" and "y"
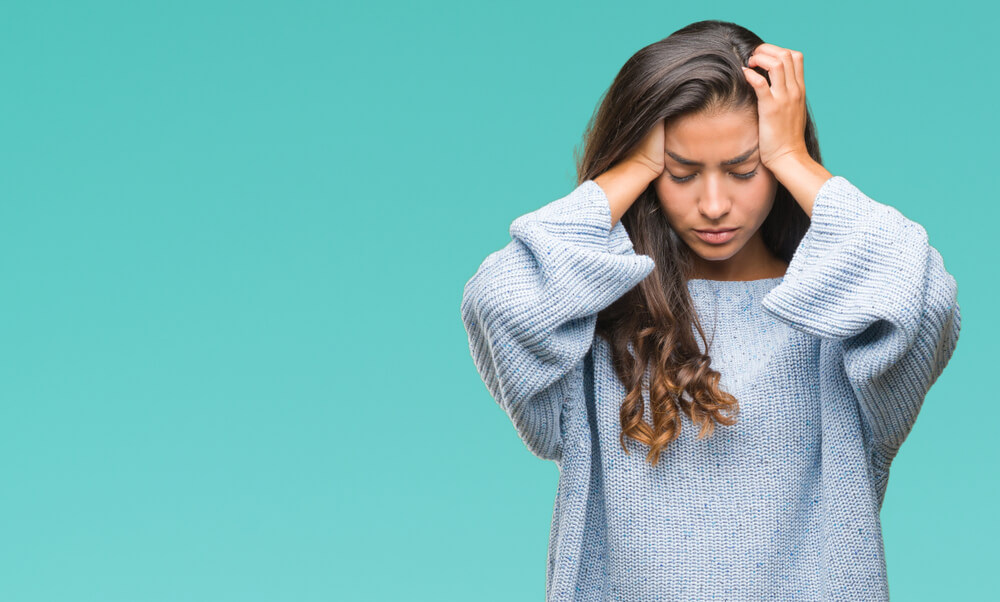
{"x": 740, "y": 176}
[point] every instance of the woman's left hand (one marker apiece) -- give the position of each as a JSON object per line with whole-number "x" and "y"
{"x": 781, "y": 108}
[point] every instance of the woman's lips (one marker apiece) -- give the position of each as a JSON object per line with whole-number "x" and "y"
{"x": 716, "y": 238}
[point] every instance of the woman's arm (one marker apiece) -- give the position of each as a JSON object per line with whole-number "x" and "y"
{"x": 867, "y": 276}
{"x": 802, "y": 176}
{"x": 863, "y": 273}
{"x": 531, "y": 308}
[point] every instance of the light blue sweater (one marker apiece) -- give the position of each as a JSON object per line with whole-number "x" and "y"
{"x": 830, "y": 364}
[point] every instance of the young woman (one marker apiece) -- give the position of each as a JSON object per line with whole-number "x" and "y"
{"x": 703, "y": 207}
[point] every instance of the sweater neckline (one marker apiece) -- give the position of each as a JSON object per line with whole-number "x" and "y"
{"x": 733, "y": 283}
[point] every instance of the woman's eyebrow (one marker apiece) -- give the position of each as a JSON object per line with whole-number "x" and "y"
{"x": 732, "y": 161}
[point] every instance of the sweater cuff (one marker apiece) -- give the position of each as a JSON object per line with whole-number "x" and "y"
{"x": 583, "y": 217}
{"x": 846, "y": 262}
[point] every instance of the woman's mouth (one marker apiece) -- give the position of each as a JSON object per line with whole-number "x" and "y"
{"x": 716, "y": 237}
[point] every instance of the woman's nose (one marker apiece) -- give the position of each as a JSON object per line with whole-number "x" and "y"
{"x": 714, "y": 202}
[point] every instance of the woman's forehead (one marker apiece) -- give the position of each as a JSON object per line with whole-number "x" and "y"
{"x": 715, "y": 139}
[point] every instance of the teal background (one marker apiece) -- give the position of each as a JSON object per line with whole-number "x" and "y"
{"x": 234, "y": 238}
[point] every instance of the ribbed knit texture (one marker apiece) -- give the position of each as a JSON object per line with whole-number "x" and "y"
{"x": 830, "y": 364}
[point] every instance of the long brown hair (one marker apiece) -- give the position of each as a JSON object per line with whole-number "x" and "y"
{"x": 694, "y": 69}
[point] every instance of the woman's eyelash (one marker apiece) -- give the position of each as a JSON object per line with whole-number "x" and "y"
{"x": 741, "y": 176}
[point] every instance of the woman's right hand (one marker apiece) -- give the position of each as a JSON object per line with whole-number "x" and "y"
{"x": 649, "y": 152}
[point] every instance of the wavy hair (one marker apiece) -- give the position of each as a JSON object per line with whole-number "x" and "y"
{"x": 651, "y": 328}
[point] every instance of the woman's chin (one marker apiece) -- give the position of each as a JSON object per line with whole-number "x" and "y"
{"x": 714, "y": 252}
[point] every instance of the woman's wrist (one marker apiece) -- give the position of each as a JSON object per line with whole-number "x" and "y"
{"x": 802, "y": 176}
{"x": 622, "y": 184}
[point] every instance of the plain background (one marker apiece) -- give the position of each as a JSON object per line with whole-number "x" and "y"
{"x": 234, "y": 238}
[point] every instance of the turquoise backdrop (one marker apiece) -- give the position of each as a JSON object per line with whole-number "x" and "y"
{"x": 233, "y": 242}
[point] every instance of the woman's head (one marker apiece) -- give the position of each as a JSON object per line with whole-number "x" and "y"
{"x": 713, "y": 179}
{"x": 693, "y": 80}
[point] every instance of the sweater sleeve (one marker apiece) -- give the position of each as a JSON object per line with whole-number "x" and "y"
{"x": 867, "y": 276}
{"x": 530, "y": 310}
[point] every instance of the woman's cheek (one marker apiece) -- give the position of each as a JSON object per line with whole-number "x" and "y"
{"x": 668, "y": 193}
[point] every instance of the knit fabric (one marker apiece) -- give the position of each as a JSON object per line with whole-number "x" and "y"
{"x": 830, "y": 363}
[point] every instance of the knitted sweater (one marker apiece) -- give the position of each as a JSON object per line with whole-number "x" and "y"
{"x": 830, "y": 364}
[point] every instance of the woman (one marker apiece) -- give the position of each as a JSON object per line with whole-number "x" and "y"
{"x": 828, "y": 314}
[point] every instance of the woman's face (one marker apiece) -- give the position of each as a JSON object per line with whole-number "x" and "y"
{"x": 728, "y": 188}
